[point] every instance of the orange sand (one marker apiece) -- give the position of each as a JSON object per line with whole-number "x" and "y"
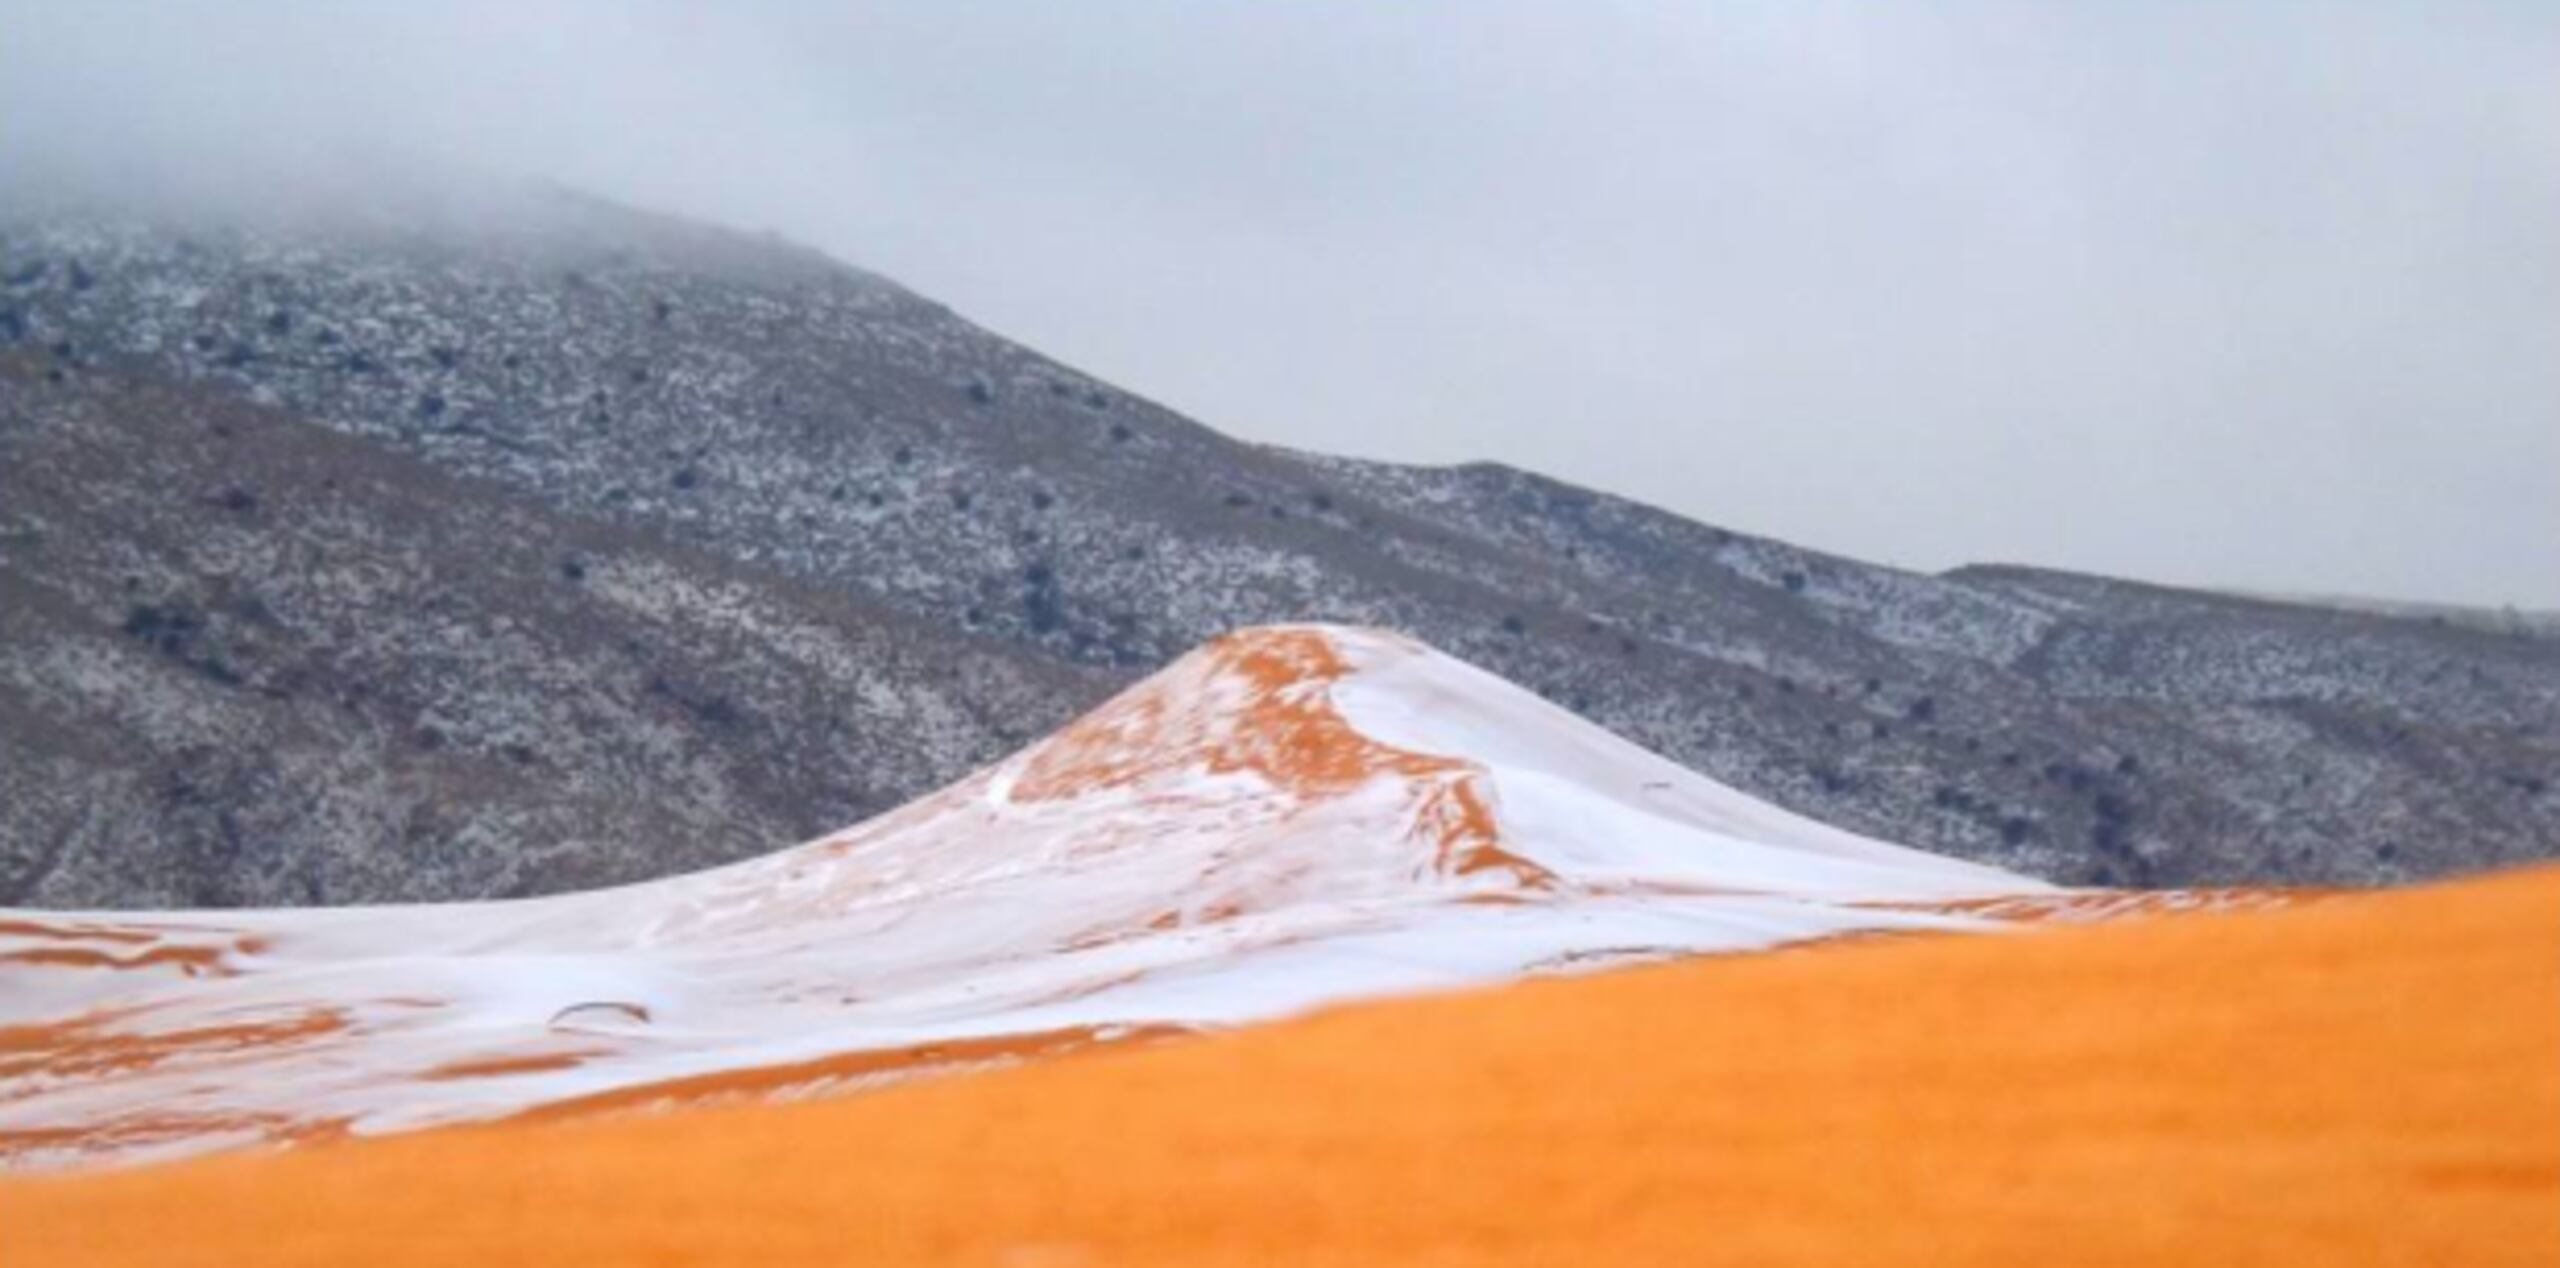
{"x": 1284, "y": 730}
{"x": 2361, "y": 1081}
{"x": 82, "y": 1047}
{"x": 802, "y": 1077}
{"x": 194, "y": 959}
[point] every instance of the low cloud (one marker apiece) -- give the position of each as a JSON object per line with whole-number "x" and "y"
{"x": 2259, "y": 295}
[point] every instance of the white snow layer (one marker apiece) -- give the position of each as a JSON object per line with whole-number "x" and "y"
{"x": 1168, "y": 866}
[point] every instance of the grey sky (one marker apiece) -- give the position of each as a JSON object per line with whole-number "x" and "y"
{"x": 2264, "y": 295}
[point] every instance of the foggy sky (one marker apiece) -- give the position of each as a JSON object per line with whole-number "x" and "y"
{"x": 2255, "y": 295}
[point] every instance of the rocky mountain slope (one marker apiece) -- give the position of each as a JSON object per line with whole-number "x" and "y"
{"x": 289, "y": 666}
{"x": 766, "y": 439}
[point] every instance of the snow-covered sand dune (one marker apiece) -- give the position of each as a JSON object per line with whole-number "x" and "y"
{"x": 1286, "y": 817}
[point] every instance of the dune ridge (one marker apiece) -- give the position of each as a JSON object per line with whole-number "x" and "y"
{"x": 2367, "y": 1080}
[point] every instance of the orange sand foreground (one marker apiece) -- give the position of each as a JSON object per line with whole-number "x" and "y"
{"x": 2368, "y": 1080}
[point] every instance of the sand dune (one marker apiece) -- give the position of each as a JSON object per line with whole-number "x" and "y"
{"x": 2370, "y": 1080}
{"x": 1287, "y": 817}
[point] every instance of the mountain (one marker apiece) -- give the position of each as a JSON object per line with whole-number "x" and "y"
{"x": 291, "y": 666}
{"x": 1286, "y": 817}
{"x": 492, "y": 543}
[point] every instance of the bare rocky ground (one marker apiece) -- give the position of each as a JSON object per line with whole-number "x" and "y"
{"x": 453, "y": 551}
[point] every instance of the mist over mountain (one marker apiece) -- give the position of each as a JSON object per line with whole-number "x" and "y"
{"x": 487, "y": 539}
{"x": 2252, "y": 296}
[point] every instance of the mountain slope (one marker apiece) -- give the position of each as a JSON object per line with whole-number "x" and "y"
{"x": 1287, "y": 816}
{"x": 280, "y": 665}
{"x": 2374, "y": 1080}
{"x": 815, "y": 428}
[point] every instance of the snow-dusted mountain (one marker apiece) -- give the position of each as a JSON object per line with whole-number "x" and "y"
{"x": 487, "y": 546}
{"x": 1285, "y": 817}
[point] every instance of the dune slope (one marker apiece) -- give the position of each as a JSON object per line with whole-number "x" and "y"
{"x": 2372, "y": 1080}
{"x": 1287, "y": 817}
